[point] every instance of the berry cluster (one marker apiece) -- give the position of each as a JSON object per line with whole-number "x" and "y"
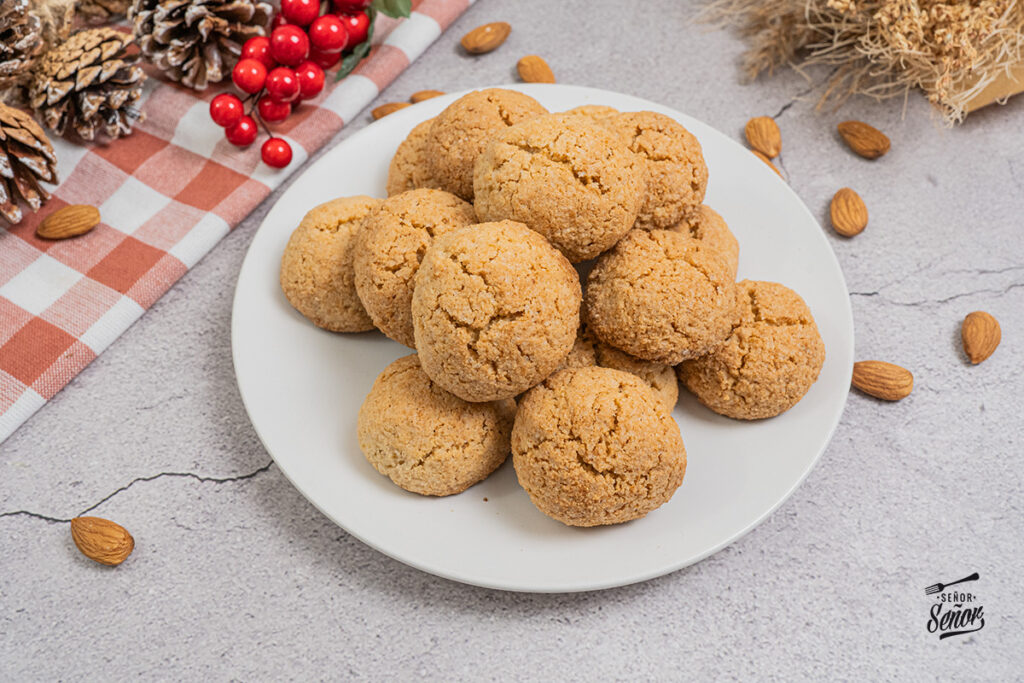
{"x": 278, "y": 72}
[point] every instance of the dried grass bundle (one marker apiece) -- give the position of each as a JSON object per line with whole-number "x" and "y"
{"x": 950, "y": 49}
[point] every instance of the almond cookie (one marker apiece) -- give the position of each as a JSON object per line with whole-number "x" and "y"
{"x": 427, "y": 440}
{"x": 593, "y": 446}
{"x": 594, "y": 112}
{"x": 409, "y": 169}
{"x": 316, "y": 269}
{"x": 659, "y": 377}
{"x": 661, "y": 295}
{"x": 388, "y": 249}
{"x": 459, "y": 133}
{"x": 706, "y": 225}
{"x": 564, "y": 176}
{"x": 676, "y": 174}
{"x": 768, "y": 362}
{"x": 495, "y": 310}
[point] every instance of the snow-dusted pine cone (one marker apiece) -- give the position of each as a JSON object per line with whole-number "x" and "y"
{"x": 21, "y": 40}
{"x": 26, "y": 159}
{"x": 102, "y": 11}
{"x": 89, "y": 85}
{"x": 197, "y": 42}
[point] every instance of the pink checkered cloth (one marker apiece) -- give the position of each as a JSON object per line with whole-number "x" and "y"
{"x": 167, "y": 194}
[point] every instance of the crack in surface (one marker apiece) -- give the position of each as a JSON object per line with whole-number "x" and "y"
{"x": 133, "y": 482}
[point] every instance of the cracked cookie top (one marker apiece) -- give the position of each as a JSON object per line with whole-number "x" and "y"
{"x": 706, "y": 225}
{"x": 675, "y": 172}
{"x": 564, "y": 176}
{"x": 389, "y": 248}
{"x": 460, "y": 133}
{"x": 495, "y": 310}
{"x": 426, "y": 439}
{"x": 316, "y": 268}
{"x": 659, "y": 377}
{"x": 661, "y": 295}
{"x": 594, "y": 446}
{"x": 769, "y": 361}
{"x": 409, "y": 169}
{"x": 595, "y": 112}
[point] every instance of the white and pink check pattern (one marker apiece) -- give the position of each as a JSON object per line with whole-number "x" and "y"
{"x": 167, "y": 194}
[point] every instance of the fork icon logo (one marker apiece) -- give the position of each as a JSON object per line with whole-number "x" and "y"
{"x": 954, "y": 612}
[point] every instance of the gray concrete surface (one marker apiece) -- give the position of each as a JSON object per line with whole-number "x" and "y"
{"x": 235, "y": 575}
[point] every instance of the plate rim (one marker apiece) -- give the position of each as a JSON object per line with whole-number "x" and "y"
{"x": 412, "y": 112}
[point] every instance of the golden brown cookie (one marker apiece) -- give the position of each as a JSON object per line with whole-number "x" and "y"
{"x": 706, "y": 225}
{"x": 593, "y": 446}
{"x": 768, "y": 362}
{"x": 393, "y": 239}
{"x": 495, "y": 310}
{"x": 409, "y": 167}
{"x": 676, "y": 174}
{"x": 426, "y": 439}
{"x": 564, "y": 176}
{"x": 659, "y": 377}
{"x": 595, "y": 112}
{"x": 460, "y": 133}
{"x": 661, "y": 295}
{"x": 316, "y": 268}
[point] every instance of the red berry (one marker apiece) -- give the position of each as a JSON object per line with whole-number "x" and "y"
{"x": 350, "y": 6}
{"x": 278, "y": 20}
{"x": 357, "y": 26}
{"x": 282, "y": 84}
{"x": 276, "y": 152}
{"x": 325, "y": 60}
{"x": 242, "y": 133}
{"x": 311, "y": 80}
{"x": 226, "y": 109}
{"x": 289, "y": 45}
{"x": 249, "y": 75}
{"x": 300, "y": 12}
{"x": 273, "y": 111}
{"x": 258, "y": 48}
{"x": 328, "y": 34}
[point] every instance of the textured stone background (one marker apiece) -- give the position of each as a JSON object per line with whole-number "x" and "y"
{"x": 237, "y": 576}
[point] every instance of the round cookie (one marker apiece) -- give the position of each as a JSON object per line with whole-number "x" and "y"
{"x": 661, "y": 295}
{"x": 393, "y": 239}
{"x": 768, "y": 362}
{"x": 409, "y": 168}
{"x": 427, "y": 440}
{"x": 706, "y": 225}
{"x": 593, "y": 446}
{"x": 460, "y": 133}
{"x": 564, "y": 176}
{"x": 659, "y": 377}
{"x": 495, "y": 310}
{"x": 676, "y": 174}
{"x": 595, "y": 112}
{"x": 316, "y": 268}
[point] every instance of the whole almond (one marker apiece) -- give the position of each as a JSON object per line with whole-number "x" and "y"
{"x": 424, "y": 95}
{"x": 981, "y": 335}
{"x": 534, "y": 69}
{"x": 882, "y": 380}
{"x": 102, "y": 540}
{"x": 486, "y": 38}
{"x": 848, "y": 212}
{"x": 768, "y": 161}
{"x": 865, "y": 140}
{"x": 388, "y": 108}
{"x": 70, "y": 221}
{"x": 764, "y": 136}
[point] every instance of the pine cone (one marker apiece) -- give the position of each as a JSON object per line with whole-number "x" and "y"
{"x": 26, "y": 158}
{"x": 89, "y": 84}
{"x": 21, "y": 40}
{"x": 197, "y": 42}
{"x": 102, "y": 11}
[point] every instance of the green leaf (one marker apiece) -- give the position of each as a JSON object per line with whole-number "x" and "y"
{"x": 393, "y": 8}
{"x": 351, "y": 61}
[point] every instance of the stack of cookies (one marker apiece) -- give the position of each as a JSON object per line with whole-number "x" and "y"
{"x": 470, "y": 262}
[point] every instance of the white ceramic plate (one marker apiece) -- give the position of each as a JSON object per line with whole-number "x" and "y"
{"x": 303, "y": 387}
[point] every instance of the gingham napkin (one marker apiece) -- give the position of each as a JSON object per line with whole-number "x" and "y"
{"x": 167, "y": 194}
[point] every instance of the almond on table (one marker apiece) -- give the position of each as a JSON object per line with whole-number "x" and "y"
{"x": 486, "y": 38}
{"x": 764, "y": 136}
{"x": 864, "y": 139}
{"x": 848, "y": 212}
